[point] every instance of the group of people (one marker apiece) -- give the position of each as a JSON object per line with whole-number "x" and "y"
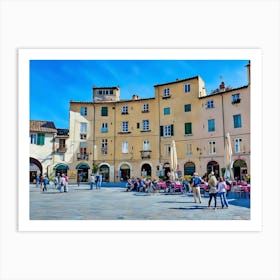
{"x": 141, "y": 185}
{"x": 216, "y": 188}
{"x": 60, "y": 182}
{"x": 95, "y": 179}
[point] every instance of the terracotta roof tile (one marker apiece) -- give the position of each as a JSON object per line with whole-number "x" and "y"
{"x": 42, "y": 126}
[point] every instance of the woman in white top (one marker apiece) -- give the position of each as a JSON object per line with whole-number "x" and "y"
{"x": 222, "y": 192}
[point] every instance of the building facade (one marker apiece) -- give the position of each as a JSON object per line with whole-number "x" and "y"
{"x": 132, "y": 138}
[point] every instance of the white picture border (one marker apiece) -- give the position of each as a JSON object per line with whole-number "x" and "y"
{"x": 24, "y": 57}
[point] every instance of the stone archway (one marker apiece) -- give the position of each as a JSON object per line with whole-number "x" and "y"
{"x": 146, "y": 170}
{"x": 104, "y": 169}
{"x": 124, "y": 172}
{"x": 239, "y": 169}
{"x": 35, "y": 169}
{"x": 213, "y": 166}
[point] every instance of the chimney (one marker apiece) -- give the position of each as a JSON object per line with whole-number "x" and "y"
{"x": 222, "y": 86}
{"x": 135, "y": 97}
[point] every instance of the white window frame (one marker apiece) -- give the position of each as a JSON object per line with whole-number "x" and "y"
{"x": 210, "y": 104}
{"x": 212, "y": 147}
{"x": 167, "y": 130}
{"x": 33, "y": 138}
{"x": 146, "y": 107}
{"x": 238, "y": 145}
{"x": 146, "y": 125}
{"x": 146, "y": 145}
{"x": 235, "y": 97}
{"x": 104, "y": 147}
{"x": 187, "y": 88}
{"x": 166, "y": 92}
{"x": 124, "y": 109}
{"x": 125, "y": 147}
{"x": 125, "y": 126}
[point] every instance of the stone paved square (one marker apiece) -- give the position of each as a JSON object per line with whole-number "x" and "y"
{"x": 114, "y": 203}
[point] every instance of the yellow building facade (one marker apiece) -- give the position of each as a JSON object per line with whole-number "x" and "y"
{"x": 132, "y": 138}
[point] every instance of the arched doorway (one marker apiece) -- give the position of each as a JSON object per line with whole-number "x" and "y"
{"x": 146, "y": 170}
{"x": 35, "y": 169}
{"x": 124, "y": 172}
{"x": 60, "y": 169}
{"x": 105, "y": 171}
{"x": 213, "y": 166}
{"x": 82, "y": 171}
{"x": 189, "y": 168}
{"x": 239, "y": 169}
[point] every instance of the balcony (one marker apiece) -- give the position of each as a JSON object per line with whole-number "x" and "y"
{"x": 166, "y": 96}
{"x": 145, "y": 154}
{"x": 61, "y": 150}
{"x": 82, "y": 156}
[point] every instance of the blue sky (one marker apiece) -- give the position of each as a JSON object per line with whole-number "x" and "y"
{"x": 53, "y": 83}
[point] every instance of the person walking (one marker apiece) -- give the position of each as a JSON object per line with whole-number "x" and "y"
{"x": 99, "y": 181}
{"x": 78, "y": 179}
{"x": 55, "y": 181}
{"x": 62, "y": 183}
{"x": 92, "y": 180}
{"x": 45, "y": 183}
{"x": 212, "y": 182}
{"x": 196, "y": 180}
{"x": 222, "y": 192}
{"x": 66, "y": 183}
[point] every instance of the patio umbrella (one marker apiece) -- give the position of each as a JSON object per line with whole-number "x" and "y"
{"x": 173, "y": 159}
{"x": 228, "y": 160}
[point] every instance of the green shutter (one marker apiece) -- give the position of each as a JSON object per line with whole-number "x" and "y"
{"x": 188, "y": 128}
{"x": 161, "y": 130}
{"x": 172, "y": 129}
{"x": 41, "y": 139}
{"x": 104, "y": 111}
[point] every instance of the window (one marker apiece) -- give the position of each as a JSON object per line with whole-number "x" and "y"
{"x": 189, "y": 149}
{"x": 104, "y": 147}
{"x": 104, "y": 127}
{"x": 210, "y": 104}
{"x": 187, "y": 87}
{"x": 124, "y": 147}
{"x": 145, "y": 107}
{"x": 83, "y": 111}
{"x": 166, "y": 111}
{"x": 211, "y": 125}
{"x": 237, "y": 121}
{"x": 83, "y": 148}
{"x": 235, "y": 98}
{"x": 33, "y": 138}
{"x": 41, "y": 139}
{"x": 105, "y": 91}
{"x": 188, "y": 107}
{"x": 104, "y": 111}
{"x": 83, "y": 130}
{"x": 146, "y": 124}
{"x": 146, "y": 145}
{"x": 212, "y": 147}
{"x": 166, "y": 92}
{"x": 167, "y": 130}
{"x": 124, "y": 110}
{"x": 138, "y": 125}
{"x": 124, "y": 126}
{"x": 238, "y": 145}
{"x": 188, "y": 128}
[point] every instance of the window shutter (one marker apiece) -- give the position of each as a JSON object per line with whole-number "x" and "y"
{"x": 172, "y": 129}
{"x": 41, "y": 139}
{"x": 161, "y": 130}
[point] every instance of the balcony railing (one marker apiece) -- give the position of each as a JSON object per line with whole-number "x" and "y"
{"x": 235, "y": 101}
{"x": 82, "y": 156}
{"x": 145, "y": 154}
{"x": 61, "y": 150}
